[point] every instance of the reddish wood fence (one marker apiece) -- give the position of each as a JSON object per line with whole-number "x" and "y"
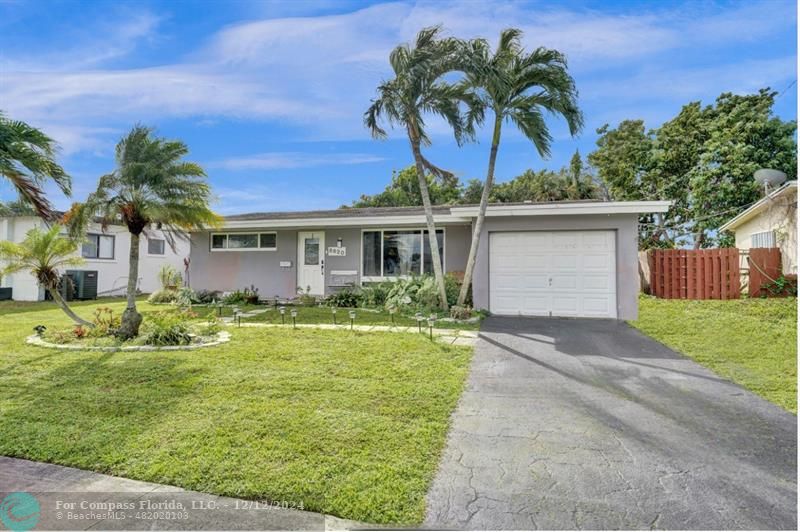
{"x": 711, "y": 273}
{"x": 695, "y": 273}
{"x": 765, "y": 266}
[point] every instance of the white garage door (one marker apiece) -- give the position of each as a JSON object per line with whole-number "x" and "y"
{"x": 558, "y": 273}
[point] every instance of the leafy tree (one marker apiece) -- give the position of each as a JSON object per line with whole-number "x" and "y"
{"x": 519, "y": 87}
{"x": 472, "y": 192}
{"x": 152, "y": 185}
{"x": 404, "y": 191}
{"x": 545, "y": 185}
{"x": 419, "y": 89}
{"x": 44, "y": 254}
{"x": 27, "y": 160}
{"x": 742, "y": 136}
{"x": 703, "y": 160}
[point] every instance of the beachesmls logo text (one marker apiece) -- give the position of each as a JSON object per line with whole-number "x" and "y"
{"x": 19, "y": 511}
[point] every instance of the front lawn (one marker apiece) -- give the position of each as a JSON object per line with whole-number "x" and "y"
{"x": 752, "y": 342}
{"x": 346, "y": 423}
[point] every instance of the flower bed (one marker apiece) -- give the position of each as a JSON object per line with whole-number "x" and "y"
{"x": 198, "y": 342}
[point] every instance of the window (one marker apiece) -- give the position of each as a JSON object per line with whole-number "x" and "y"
{"x": 244, "y": 241}
{"x": 395, "y": 253}
{"x": 155, "y": 246}
{"x": 762, "y": 240}
{"x": 98, "y": 246}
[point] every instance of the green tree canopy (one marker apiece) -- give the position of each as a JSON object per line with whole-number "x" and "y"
{"x": 703, "y": 160}
{"x": 404, "y": 191}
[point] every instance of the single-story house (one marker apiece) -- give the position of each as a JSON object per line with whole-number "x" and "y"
{"x": 770, "y": 222}
{"x": 576, "y": 258}
{"x": 106, "y": 256}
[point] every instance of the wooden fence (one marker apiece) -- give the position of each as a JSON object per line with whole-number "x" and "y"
{"x": 711, "y": 273}
{"x": 695, "y": 273}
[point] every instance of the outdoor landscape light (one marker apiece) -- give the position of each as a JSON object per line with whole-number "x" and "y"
{"x": 392, "y": 310}
{"x": 419, "y": 318}
{"x": 294, "y": 318}
{"x": 352, "y": 318}
{"x": 431, "y": 322}
{"x": 283, "y": 315}
{"x": 333, "y": 312}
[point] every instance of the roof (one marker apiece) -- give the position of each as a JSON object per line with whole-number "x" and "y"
{"x": 377, "y": 216}
{"x": 760, "y": 206}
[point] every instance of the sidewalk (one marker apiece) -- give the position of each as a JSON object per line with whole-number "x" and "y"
{"x": 56, "y": 488}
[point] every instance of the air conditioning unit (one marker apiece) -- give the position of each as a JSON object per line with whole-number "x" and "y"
{"x": 79, "y": 284}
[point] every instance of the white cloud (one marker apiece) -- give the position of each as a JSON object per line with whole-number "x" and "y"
{"x": 323, "y": 70}
{"x": 286, "y": 160}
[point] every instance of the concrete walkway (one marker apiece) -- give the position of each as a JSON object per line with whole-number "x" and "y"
{"x": 74, "y": 499}
{"x": 588, "y": 424}
{"x": 447, "y": 336}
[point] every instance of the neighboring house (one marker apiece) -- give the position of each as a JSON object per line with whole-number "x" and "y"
{"x": 771, "y": 222}
{"x": 105, "y": 252}
{"x": 540, "y": 259}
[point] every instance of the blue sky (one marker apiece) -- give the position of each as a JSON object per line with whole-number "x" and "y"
{"x": 269, "y": 95}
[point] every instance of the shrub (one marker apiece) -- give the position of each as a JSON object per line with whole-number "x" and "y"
{"x": 166, "y": 328}
{"x": 162, "y": 296}
{"x": 185, "y": 296}
{"x": 233, "y": 298}
{"x": 452, "y": 286}
{"x": 211, "y": 327}
{"x": 347, "y": 297}
{"x": 169, "y": 277}
{"x": 460, "y": 313}
{"x": 206, "y": 296}
{"x": 374, "y": 295}
{"x": 105, "y": 323}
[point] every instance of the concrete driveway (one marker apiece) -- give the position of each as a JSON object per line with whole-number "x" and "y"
{"x": 589, "y": 424}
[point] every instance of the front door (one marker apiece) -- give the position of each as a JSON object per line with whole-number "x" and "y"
{"x": 311, "y": 262}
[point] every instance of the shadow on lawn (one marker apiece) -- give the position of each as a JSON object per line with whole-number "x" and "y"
{"x": 93, "y": 412}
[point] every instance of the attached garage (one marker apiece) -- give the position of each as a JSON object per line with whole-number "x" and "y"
{"x": 561, "y": 259}
{"x": 553, "y": 273}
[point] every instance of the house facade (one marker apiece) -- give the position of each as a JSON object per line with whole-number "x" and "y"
{"x": 770, "y": 222}
{"x": 574, "y": 259}
{"x": 105, "y": 252}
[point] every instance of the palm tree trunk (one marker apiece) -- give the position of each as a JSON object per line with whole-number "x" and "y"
{"x": 476, "y": 232}
{"x": 131, "y": 319}
{"x": 433, "y": 242}
{"x": 68, "y": 311}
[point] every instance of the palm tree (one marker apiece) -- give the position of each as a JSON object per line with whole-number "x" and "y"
{"x": 152, "y": 185}
{"x": 27, "y": 160}
{"x": 44, "y": 254}
{"x": 416, "y": 90}
{"x": 518, "y": 87}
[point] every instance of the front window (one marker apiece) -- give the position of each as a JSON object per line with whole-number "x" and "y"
{"x": 155, "y": 246}
{"x": 396, "y": 253}
{"x": 244, "y": 241}
{"x": 98, "y": 246}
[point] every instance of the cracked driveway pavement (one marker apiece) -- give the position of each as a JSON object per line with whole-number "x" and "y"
{"x": 576, "y": 424}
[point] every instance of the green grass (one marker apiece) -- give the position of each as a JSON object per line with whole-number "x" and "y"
{"x": 350, "y": 424}
{"x": 752, "y": 342}
{"x": 309, "y": 315}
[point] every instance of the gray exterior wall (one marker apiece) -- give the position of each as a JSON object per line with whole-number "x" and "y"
{"x": 231, "y": 270}
{"x": 625, "y": 226}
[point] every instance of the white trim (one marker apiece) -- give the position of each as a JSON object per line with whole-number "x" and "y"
{"x": 757, "y": 207}
{"x": 350, "y": 221}
{"x": 381, "y": 278}
{"x": 561, "y": 209}
{"x": 212, "y": 249}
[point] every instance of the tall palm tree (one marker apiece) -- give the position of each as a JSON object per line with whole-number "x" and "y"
{"x": 44, "y": 254}
{"x": 417, "y": 90}
{"x": 521, "y": 88}
{"x": 27, "y": 160}
{"x": 152, "y": 185}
